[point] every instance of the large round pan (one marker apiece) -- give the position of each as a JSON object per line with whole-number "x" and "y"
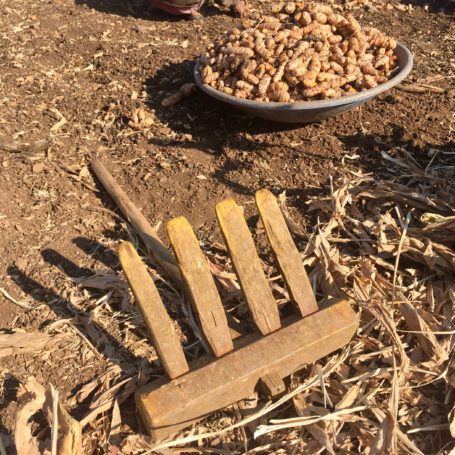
{"x": 311, "y": 111}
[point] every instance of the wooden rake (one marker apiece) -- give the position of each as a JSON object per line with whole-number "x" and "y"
{"x": 235, "y": 368}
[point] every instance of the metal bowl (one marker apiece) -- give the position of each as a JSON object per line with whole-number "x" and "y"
{"x": 311, "y": 111}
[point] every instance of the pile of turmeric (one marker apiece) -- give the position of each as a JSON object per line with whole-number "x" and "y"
{"x": 301, "y": 51}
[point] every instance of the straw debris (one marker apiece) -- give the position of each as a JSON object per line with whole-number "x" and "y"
{"x": 388, "y": 246}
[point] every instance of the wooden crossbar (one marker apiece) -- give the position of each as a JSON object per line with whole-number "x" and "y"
{"x": 166, "y": 407}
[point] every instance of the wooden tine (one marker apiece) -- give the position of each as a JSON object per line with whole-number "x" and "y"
{"x": 157, "y": 321}
{"x": 200, "y": 286}
{"x": 286, "y": 253}
{"x": 247, "y": 264}
{"x": 145, "y": 230}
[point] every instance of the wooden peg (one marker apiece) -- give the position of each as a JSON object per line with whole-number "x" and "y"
{"x": 200, "y": 286}
{"x": 157, "y": 321}
{"x": 286, "y": 253}
{"x": 272, "y": 384}
{"x": 248, "y": 266}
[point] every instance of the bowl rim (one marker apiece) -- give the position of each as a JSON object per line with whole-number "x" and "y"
{"x": 318, "y": 104}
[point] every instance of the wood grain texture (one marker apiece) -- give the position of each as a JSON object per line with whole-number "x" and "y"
{"x": 157, "y": 321}
{"x": 148, "y": 235}
{"x": 286, "y": 253}
{"x": 248, "y": 266}
{"x": 200, "y": 286}
{"x": 213, "y": 384}
{"x": 272, "y": 384}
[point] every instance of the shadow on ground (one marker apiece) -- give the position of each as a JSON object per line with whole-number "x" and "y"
{"x": 435, "y": 6}
{"x": 184, "y": 118}
{"x": 217, "y": 129}
{"x": 64, "y": 309}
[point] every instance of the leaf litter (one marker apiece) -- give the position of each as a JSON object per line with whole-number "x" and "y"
{"x": 385, "y": 245}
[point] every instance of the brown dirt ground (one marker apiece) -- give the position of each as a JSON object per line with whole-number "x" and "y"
{"x": 93, "y": 62}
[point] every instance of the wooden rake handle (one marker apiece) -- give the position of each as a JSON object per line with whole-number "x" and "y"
{"x": 140, "y": 224}
{"x": 148, "y": 235}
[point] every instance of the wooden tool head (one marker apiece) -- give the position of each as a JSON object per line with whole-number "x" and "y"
{"x": 256, "y": 360}
{"x": 235, "y": 369}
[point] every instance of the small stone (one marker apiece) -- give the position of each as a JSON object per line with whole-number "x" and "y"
{"x": 38, "y": 167}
